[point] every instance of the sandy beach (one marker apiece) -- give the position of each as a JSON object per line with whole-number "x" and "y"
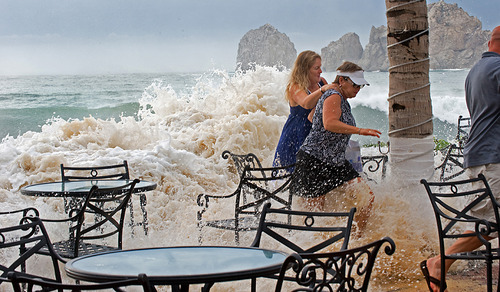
{"x": 465, "y": 280}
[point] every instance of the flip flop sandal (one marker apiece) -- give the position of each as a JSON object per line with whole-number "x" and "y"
{"x": 428, "y": 278}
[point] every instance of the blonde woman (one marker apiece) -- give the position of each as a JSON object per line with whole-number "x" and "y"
{"x": 303, "y": 91}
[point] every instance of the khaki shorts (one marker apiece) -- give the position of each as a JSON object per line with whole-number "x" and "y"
{"x": 491, "y": 172}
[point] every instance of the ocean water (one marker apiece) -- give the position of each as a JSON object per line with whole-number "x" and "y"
{"x": 172, "y": 129}
{"x": 29, "y": 102}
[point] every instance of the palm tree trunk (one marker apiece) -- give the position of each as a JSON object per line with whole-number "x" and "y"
{"x": 410, "y": 107}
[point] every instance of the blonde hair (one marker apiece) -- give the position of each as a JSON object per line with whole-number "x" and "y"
{"x": 300, "y": 71}
{"x": 347, "y": 67}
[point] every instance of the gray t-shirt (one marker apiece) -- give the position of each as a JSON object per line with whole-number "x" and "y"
{"x": 324, "y": 145}
{"x": 482, "y": 94}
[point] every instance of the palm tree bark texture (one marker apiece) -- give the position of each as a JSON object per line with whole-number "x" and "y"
{"x": 410, "y": 107}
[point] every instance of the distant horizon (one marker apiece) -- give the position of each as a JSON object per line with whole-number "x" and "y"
{"x": 57, "y": 37}
{"x": 184, "y": 72}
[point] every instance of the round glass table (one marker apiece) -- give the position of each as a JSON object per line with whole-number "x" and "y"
{"x": 81, "y": 188}
{"x": 182, "y": 265}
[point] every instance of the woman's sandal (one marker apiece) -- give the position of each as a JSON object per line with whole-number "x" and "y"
{"x": 428, "y": 278}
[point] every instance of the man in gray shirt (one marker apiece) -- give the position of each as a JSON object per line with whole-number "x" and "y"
{"x": 482, "y": 150}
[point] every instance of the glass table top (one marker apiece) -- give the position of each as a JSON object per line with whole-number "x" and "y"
{"x": 176, "y": 262}
{"x": 75, "y": 188}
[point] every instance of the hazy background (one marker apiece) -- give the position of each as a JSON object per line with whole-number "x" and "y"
{"x": 130, "y": 36}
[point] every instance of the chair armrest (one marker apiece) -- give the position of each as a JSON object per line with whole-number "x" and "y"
{"x": 484, "y": 228}
{"x": 25, "y": 211}
{"x": 203, "y": 199}
{"x": 70, "y": 218}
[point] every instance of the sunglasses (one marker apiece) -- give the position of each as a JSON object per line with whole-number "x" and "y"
{"x": 354, "y": 84}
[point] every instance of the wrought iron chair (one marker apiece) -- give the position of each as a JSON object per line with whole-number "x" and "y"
{"x": 318, "y": 231}
{"x": 256, "y": 186}
{"x": 26, "y": 238}
{"x": 115, "y": 171}
{"x": 19, "y": 281}
{"x": 100, "y": 217}
{"x": 353, "y": 268}
{"x": 453, "y": 162}
{"x": 451, "y": 201}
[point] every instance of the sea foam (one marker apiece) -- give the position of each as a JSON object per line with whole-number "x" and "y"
{"x": 176, "y": 140}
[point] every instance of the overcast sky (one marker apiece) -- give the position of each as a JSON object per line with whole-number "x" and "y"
{"x": 114, "y": 36}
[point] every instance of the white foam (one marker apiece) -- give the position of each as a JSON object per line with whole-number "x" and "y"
{"x": 177, "y": 142}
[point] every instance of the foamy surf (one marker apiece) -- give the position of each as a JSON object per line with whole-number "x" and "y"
{"x": 177, "y": 138}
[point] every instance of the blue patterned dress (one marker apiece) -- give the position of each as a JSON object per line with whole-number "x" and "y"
{"x": 321, "y": 163}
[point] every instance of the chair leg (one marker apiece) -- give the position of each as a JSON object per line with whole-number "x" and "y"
{"x": 207, "y": 287}
{"x": 489, "y": 275}
{"x": 498, "y": 280}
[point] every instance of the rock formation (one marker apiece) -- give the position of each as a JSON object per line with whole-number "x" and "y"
{"x": 456, "y": 39}
{"x": 347, "y": 48}
{"x": 375, "y": 54}
{"x": 266, "y": 46}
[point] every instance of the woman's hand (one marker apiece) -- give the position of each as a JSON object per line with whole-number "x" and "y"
{"x": 327, "y": 86}
{"x": 369, "y": 132}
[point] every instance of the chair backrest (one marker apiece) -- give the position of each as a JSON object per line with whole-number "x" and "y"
{"x": 22, "y": 239}
{"x": 451, "y": 202}
{"x": 116, "y": 171}
{"x": 463, "y": 128}
{"x": 260, "y": 185}
{"x": 304, "y": 231}
{"x": 345, "y": 270}
{"x": 101, "y": 216}
{"x": 242, "y": 160}
{"x": 37, "y": 284}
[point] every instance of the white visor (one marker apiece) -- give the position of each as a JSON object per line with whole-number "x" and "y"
{"x": 357, "y": 77}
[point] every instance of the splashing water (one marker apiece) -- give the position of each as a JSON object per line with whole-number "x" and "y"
{"x": 176, "y": 140}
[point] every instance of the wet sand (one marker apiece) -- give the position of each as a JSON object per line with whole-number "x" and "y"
{"x": 466, "y": 280}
